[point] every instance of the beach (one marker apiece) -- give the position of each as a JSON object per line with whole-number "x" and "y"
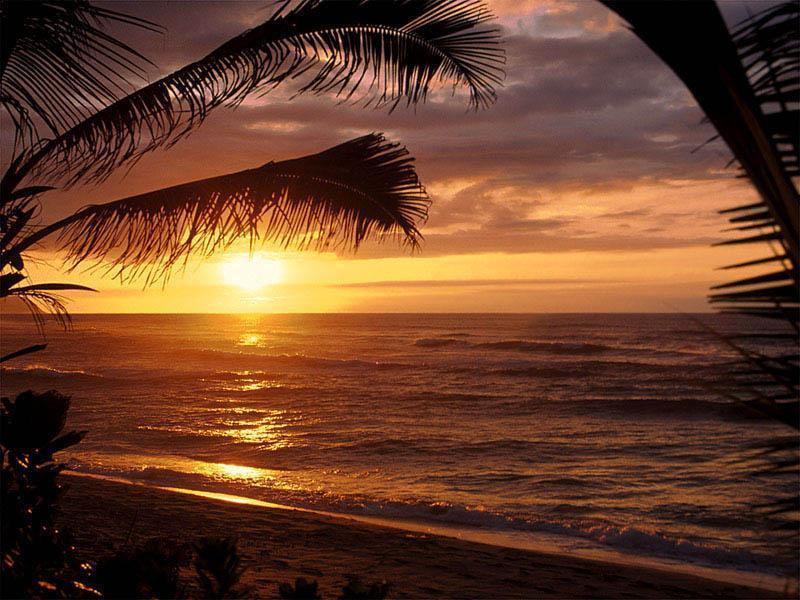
{"x": 281, "y": 545}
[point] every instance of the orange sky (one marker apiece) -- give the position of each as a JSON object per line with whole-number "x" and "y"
{"x": 577, "y": 191}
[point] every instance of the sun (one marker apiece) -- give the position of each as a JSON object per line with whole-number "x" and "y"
{"x": 251, "y": 273}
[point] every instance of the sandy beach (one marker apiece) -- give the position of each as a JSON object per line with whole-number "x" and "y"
{"x": 280, "y": 545}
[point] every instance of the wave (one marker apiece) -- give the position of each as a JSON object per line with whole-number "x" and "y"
{"x": 534, "y": 372}
{"x": 557, "y": 348}
{"x": 515, "y": 346}
{"x": 655, "y": 543}
{"x": 639, "y": 541}
{"x": 613, "y": 367}
{"x": 440, "y": 342}
{"x": 631, "y": 406}
{"x": 548, "y": 347}
{"x": 40, "y": 372}
{"x": 284, "y": 359}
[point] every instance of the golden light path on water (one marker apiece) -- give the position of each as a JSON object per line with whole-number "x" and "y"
{"x": 264, "y": 429}
{"x": 220, "y": 472}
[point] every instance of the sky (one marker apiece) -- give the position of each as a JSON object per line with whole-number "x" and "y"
{"x": 582, "y": 189}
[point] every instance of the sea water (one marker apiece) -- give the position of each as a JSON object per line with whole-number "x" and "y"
{"x": 592, "y": 432}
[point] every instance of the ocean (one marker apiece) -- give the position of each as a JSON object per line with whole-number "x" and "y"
{"x": 595, "y": 434}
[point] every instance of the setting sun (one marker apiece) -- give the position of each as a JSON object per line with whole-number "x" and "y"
{"x": 251, "y": 272}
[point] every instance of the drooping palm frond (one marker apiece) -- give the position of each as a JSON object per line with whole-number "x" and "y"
{"x": 364, "y": 188}
{"x": 39, "y": 299}
{"x": 22, "y": 352}
{"x": 748, "y": 85}
{"x": 769, "y": 48}
{"x": 395, "y": 49}
{"x": 58, "y": 64}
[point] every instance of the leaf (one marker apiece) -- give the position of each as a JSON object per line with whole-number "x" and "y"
{"x": 394, "y": 48}
{"x": 14, "y": 222}
{"x": 23, "y": 352}
{"x": 9, "y": 280}
{"x": 51, "y": 287}
{"x": 33, "y": 190}
{"x": 364, "y": 188}
{"x": 60, "y": 65}
{"x": 65, "y": 441}
{"x": 15, "y": 260}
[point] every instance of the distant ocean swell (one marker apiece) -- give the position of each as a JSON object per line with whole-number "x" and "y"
{"x": 547, "y": 347}
{"x": 40, "y": 377}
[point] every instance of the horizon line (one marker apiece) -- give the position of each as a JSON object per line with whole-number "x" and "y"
{"x": 673, "y": 312}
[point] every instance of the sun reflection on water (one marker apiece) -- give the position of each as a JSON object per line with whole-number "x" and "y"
{"x": 265, "y": 430}
{"x": 250, "y": 339}
{"x": 151, "y": 465}
{"x": 236, "y": 471}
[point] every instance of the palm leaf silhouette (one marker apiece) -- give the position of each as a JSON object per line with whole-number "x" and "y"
{"x": 366, "y": 187}
{"x": 748, "y": 84}
{"x": 57, "y": 63}
{"x": 394, "y": 48}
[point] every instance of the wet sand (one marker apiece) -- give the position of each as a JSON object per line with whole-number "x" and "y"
{"x": 280, "y": 545}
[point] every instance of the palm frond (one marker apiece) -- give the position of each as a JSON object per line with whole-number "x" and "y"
{"x": 40, "y": 304}
{"x": 58, "y": 64}
{"x": 22, "y": 352}
{"x": 769, "y": 48}
{"x": 747, "y": 83}
{"x": 364, "y": 188}
{"x": 393, "y": 50}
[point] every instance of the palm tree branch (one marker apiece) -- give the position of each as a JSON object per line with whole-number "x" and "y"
{"x": 720, "y": 84}
{"x": 59, "y": 65}
{"x": 399, "y": 46}
{"x": 364, "y": 188}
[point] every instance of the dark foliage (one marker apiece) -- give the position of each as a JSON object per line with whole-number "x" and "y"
{"x": 356, "y": 589}
{"x": 58, "y": 65}
{"x": 364, "y": 188}
{"x": 151, "y": 571}
{"x": 38, "y": 559}
{"x": 396, "y": 48}
{"x": 61, "y": 66}
{"x": 301, "y": 590}
{"x": 219, "y": 568}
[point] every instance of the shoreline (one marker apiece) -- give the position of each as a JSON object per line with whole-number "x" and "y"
{"x": 323, "y": 545}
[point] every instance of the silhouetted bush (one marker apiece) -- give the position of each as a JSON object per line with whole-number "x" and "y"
{"x": 38, "y": 559}
{"x": 301, "y": 590}
{"x": 219, "y": 569}
{"x": 357, "y": 590}
{"x": 151, "y": 571}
